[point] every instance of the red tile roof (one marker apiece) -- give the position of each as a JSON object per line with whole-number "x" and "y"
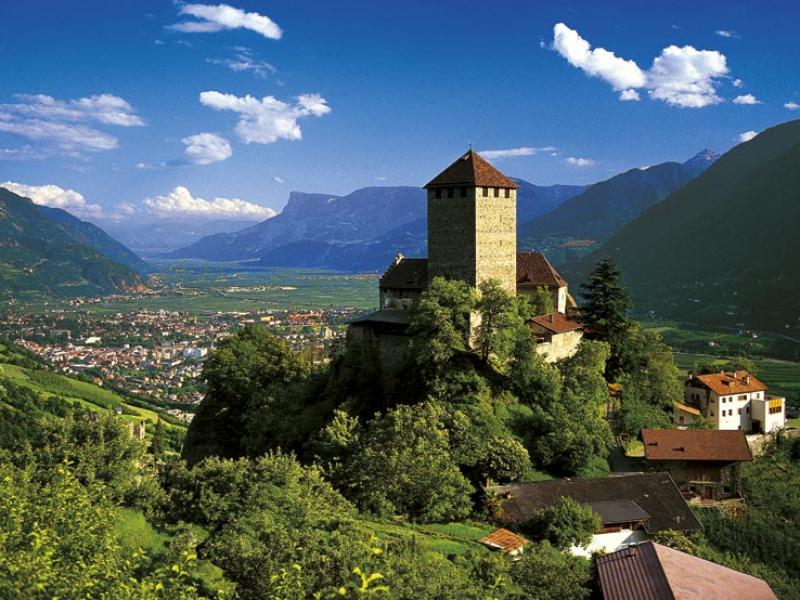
{"x": 557, "y": 322}
{"x": 654, "y": 572}
{"x": 472, "y": 170}
{"x": 505, "y": 540}
{"x": 737, "y": 382}
{"x": 534, "y": 270}
{"x": 696, "y": 444}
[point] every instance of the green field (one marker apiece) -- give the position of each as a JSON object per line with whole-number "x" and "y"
{"x": 199, "y": 288}
{"x": 86, "y": 394}
{"x": 445, "y": 538}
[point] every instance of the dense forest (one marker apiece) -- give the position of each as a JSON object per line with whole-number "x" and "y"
{"x": 349, "y": 480}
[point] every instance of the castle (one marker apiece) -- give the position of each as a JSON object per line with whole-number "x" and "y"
{"x": 472, "y": 237}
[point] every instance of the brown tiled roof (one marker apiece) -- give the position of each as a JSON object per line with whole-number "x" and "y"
{"x": 695, "y": 444}
{"x": 406, "y": 273}
{"x": 556, "y": 322}
{"x": 654, "y": 493}
{"x": 737, "y": 382}
{"x": 533, "y": 270}
{"x": 505, "y": 540}
{"x": 653, "y": 572}
{"x": 687, "y": 408}
{"x": 470, "y": 169}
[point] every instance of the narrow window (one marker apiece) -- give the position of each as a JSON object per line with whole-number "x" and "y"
{"x": 496, "y": 192}
{"x": 438, "y": 192}
{"x": 508, "y": 193}
{"x": 449, "y": 192}
{"x": 463, "y": 192}
{"x": 486, "y": 192}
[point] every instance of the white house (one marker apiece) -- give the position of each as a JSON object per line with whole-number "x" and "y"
{"x": 731, "y": 400}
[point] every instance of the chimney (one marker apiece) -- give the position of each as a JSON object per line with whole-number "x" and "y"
{"x": 747, "y": 379}
{"x": 552, "y": 318}
{"x": 399, "y": 258}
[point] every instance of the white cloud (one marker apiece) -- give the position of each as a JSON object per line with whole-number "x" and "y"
{"x": 277, "y": 179}
{"x": 60, "y": 126}
{"x": 267, "y": 120}
{"x": 791, "y": 106}
{"x": 243, "y": 60}
{"x": 180, "y": 203}
{"x": 620, "y": 73}
{"x": 684, "y": 77}
{"x": 207, "y": 148}
{"x": 746, "y": 99}
{"x": 747, "y": 136}
{"x": 579, "y": 162}
{"x": 628, "y": 95}
{"x": 56, "y": 197}
{"x": 737, "y": 83}
{"x": 511, "y": 152}
{"x": 216, "y": 18}
{"x": 726, "y": 33}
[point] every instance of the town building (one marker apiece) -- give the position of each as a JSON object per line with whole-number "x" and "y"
{"x": 505, "y": 541}
{"x": 730, "y": 400}
{"x": 472, "y": 237}
{"x": 705, "y": 463}
{"x": 651, "y": 571}
{"x": 632, "y": 508}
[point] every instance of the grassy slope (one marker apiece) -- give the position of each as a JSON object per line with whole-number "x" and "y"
{"x": 445, "y": 538}
{"x": 89, "y": 395}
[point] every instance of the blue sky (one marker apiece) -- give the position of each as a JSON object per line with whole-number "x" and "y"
{"x": 142, "y": 109}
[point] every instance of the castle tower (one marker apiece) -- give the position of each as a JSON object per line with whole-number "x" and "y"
{"x": 472, "y": 223}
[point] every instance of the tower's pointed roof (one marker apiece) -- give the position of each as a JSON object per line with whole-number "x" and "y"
{"x": 470, "y": 169}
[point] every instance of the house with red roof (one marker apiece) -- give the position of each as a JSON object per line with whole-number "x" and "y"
{"x": 705, "y": 463}
{"x": 730, "y": 400}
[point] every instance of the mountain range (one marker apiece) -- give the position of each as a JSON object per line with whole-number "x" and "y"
{"x": 46, "y": 251}
{"x": 723, "y": 249}
{"x": 587, "y": 220}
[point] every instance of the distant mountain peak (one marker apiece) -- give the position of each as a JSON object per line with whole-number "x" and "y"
{"x": 705, "y": 158}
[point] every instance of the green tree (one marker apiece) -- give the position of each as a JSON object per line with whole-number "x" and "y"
{"x": 247, "y": 370}
{"x": 403, "y": 465}
{"x": 541, "y": 302}
{"x": 604, "y": 311}
{"x": 158, "y": 445}
{"x": 546, "y": 573}
{"x": 565, "y": 524}
{"x": 497, "y": 315}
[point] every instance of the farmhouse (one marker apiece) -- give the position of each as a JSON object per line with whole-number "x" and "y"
{"x": 632, "y": 508}
{"x": 654, "y": 572}
{"x": 704, "y": 463}
{"x": 730, "y": 400}
{"x": 472, "y": 237}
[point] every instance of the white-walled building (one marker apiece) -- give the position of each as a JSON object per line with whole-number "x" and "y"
{"x": 731, "y": 400}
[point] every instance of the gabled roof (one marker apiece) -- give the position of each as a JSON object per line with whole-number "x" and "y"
{"x": 687, "y": 408}
{"x": 655, "y": 493}
{"x": 696, "y": 444}
{"x": 556, "y": 322}
{"x": 472, "y": 170}
{"x": 534, "y": 270}
{"x": 725, "y": 383}
{"x": 406, "y": 273}
{"x": 504, "y": 540}
{"x": 619, "y": 511}
{"x": 653, "y": 572}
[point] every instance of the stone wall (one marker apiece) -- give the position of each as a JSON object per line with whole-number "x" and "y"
{"x": 560, "y": 346}
{"x": 473, "y": 238}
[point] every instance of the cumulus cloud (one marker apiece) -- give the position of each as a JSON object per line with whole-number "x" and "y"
{"x": 56, "y": 197}
{"x": 747, "y": 136}
{"x": 684, "y": 77}
{"x": 737, "y": 83}
{"x": 267, "y": 120}
{"x": 512, "y": 152}
{"x": 620, "y": 73}
{"x": 63, "y": 126}
{"x": 791, "y": 106}
{"x": 243, "y": 60}
{"x": 180, "y": 203}
{"x": 746, "y": 99}
{"x": 207, "y": 148}
{"x": 211, "y": 19}
{"x": 579, "y": 162}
